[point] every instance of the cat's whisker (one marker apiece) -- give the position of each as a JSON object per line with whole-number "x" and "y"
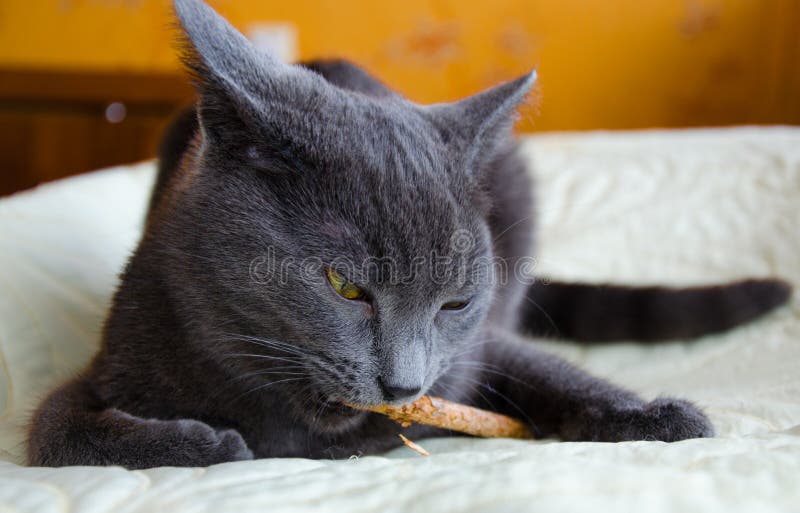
{"x": 511, "y": 226}
{"x": 511, "y": 403}
{"x": 483, "y": 364}
{"x": 279, "y": 371}
{"x": 272, "y": 344}
{"x": 484, "y": 367}
{"x": 475, "y": 389}
{"x": 269, "y": 343}
{"x": 542, "y": 310}
{"x": 266, "y": 385}
{"x": 469, "y": 348}
{"x": 270, "y": 371}
{"x": 263, "y": 356}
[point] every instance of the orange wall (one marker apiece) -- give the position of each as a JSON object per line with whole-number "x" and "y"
{"x": 602, "y": 63}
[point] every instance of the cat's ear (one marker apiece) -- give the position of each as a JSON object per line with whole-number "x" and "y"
{"x": 226, "y": 68}
{"x": 244, "y": 92}
{"x": 477, "y": 125}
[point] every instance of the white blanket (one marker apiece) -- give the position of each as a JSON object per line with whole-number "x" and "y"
{"x": 645, "y": 207}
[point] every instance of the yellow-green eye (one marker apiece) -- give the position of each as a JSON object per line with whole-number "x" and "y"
{"x": 455, "y": 305}
{"x": 343, "y": 286}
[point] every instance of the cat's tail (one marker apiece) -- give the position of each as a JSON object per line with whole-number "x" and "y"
{"x": 603, "y": 313}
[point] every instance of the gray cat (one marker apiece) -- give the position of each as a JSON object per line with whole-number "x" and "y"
{"x": 279, "y": 275}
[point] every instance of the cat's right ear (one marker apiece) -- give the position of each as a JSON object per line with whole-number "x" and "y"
{"x": 244, "y": 93}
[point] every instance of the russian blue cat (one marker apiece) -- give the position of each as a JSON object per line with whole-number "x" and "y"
{"x": 287, "y": 267}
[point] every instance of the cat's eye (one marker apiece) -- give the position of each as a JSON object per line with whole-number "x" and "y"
{"x": 344, "y": 287}
{"x": 455, "y": 305}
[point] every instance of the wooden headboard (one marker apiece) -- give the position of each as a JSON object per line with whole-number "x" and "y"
{"x": 54, "y": 124}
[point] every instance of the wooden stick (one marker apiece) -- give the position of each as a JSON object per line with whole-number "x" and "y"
{"x": 417, "y": 448}
{"x": 437, "y": 412}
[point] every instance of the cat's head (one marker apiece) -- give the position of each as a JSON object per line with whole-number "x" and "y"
{"x": 339, "y": 231}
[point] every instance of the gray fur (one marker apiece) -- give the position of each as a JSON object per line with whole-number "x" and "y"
{"x": 208, "y": 357}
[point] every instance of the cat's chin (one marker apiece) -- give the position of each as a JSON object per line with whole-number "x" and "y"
{"x": 326, "y": 415}
{"x": 334, "y": 417}
{"x": 338, "y": 418}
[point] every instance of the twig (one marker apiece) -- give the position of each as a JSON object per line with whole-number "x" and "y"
{"x": 440, "y": 413}
{"x": 414, "y": 446}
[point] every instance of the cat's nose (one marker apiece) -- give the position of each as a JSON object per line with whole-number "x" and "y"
{"x": 392, "y": 392}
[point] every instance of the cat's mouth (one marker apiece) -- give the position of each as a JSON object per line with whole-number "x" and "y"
{"x": 340, "y": 408}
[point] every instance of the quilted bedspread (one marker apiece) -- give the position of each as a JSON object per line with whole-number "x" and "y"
{"x": 677, "y": 207}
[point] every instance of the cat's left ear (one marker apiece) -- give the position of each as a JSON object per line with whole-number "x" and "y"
{"x": 478, "y": 125}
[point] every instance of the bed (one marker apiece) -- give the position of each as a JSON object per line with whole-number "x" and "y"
{"x": 678, "y": 207}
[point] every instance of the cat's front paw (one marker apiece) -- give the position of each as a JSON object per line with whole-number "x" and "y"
{"x": 205, "y": 445}
{"x": 670, "y": 420}
{"x": 664, "y": 419}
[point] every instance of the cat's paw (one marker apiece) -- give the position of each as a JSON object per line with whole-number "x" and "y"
{"x": 670, "y": 420}
{"x": 233, "y": 446}
{"x": 204, "y": 445}
{"x": 664, "y": 419}
{"x": 136, "y": 443}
